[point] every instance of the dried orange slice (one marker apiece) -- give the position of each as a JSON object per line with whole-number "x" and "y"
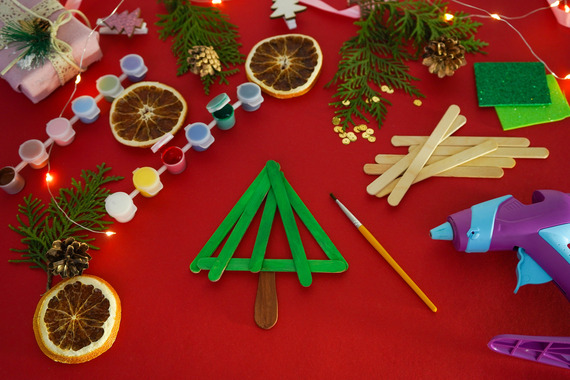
{"x": 285, "y": 66}
{"x": 146, "y": 111}
{"x": 78, "y": 319}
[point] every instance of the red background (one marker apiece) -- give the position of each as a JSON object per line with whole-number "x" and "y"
{"x": 359, "y": 324}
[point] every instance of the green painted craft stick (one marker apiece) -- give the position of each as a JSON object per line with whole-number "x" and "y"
{"x": 240, "y": 228}
{"x": 289, "y": 223}
{"x": 312, "y": 225}
{"x": 227, "y": 224}
{"x": 260, "y": 246}
{"x": 277, "y": 265}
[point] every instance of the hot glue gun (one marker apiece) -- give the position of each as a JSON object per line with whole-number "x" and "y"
{"x": 539, "y": 232}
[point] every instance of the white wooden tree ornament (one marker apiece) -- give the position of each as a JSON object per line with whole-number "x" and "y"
{"x": 287, "y": 9}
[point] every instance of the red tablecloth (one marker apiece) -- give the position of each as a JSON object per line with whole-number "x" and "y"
{"x": 363, "y": 323}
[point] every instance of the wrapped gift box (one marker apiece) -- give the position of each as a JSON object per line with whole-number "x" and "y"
{"x": 37, "y": 84}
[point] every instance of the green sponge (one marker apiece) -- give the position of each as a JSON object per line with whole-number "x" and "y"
{"x": 518, "y": 117}
{"x": 511, "y": 84}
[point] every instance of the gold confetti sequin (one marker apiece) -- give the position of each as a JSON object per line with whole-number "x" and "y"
{"x": 351, "y": 136}
{"x": 356, "y": 129}
{"x": 346, "y": 102}
{"x": 336, "y": 120}
{"x": 375, "y": 99}
{"x": 417, "y": 102}
{"x": 346, "y": 141}
{"x": 365, "y": 135}
{"x": 362, "y": 127}
{"x": 342, "y": 135}
{"x": 384, "y": 88}
{"x": 371, "y": 139}
{"x": 338, "y": 129}
{"x": 370, "y": 131}
{"x": 390, "y": 90}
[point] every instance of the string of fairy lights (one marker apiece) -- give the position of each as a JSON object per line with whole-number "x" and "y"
{"x": 446, "y": 16}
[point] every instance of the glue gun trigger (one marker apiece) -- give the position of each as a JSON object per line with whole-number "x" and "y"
{"x": 528, "y": 271}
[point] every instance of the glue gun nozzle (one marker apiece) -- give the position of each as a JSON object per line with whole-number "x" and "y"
{"x": 442, "y": 232}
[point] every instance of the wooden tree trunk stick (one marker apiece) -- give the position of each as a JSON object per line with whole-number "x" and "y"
{"x": 266, "y": 307}
{"x": 446, "y": 164}
{"x": 439, "y": 133}
{"x": 379, "y": 183}
{"x": 462, "y": 141}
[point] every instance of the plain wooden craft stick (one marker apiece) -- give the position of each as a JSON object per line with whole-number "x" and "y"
{"x": 439, "y": 133}
{"x": 530, "y": 152}
{"x": 463, "y": 170}
{"x": 446, "y": 164}
{"x": 501, "y": 162}
{"x": 391, "y": 174}
{"x": 462, "y": 141}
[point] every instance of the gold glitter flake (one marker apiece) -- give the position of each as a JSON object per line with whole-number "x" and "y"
{"x": 336, "y": 120}
{"x": 417, "y": 102}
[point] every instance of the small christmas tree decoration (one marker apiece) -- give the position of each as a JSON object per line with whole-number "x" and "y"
{"x": 287, "y": 9}
{"x": 443, "y": 56}
{"x": 125, "y": 22}
{"x": 67, "y": 258}
{"x": 203, "y": 60}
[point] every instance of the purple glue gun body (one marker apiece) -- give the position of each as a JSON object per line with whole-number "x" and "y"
{"x": 540, "y": 232}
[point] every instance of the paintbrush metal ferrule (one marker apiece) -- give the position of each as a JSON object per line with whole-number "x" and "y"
{"x": 349, "y": 215}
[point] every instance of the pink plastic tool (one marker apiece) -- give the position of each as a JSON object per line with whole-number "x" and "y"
{"x": 549, "y": 350}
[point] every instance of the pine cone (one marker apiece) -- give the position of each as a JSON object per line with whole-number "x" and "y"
{"x": 444, "y": 56}
{"x": 204, "y": 60}
{"x": 68, "y": 258}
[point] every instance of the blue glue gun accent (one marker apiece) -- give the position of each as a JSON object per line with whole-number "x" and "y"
{"x": 528, "y": 271}
{"x": 558, "y": 237}
{"x": 482, "y": 222}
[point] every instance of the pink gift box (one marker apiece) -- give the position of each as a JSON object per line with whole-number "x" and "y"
{"x": 37, "y": 84}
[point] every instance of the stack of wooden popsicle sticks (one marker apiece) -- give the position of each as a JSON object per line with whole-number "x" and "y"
{"x": 441, "y": 154}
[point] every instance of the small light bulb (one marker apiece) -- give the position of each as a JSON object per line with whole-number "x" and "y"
{"x": 495, "y": 16}
{"x": 567, "y": 9}
{"x": 448, "y": 17}
{"x": 49, "y": 177}
{"x": 555, "y": 4}
{"x": 216, "y": 1}
{"x": 78, "y": 79}
{"x": 110, "y": 233}
{"x": 567, "y": 77}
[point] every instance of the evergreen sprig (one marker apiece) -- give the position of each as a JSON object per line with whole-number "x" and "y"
{"x": 393, "y": 33}
{"x": 195, "y": 25}
{"x": 32, "y": 38}
{"x": 41, "y": 225}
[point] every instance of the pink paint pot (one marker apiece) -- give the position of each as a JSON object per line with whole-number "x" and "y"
{"x": 174, "y": 160}
{"x": 61, "y": 131}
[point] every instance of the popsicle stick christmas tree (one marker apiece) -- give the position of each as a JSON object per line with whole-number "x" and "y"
{"x": 272, "y": 187}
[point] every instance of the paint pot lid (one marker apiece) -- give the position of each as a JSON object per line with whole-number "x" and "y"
{"x": 218, "y": 103}
{"x": 162, "y": 142}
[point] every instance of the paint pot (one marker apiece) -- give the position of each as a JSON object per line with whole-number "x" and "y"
{"x": 60, "y": 131}
{"x": 120, "y": 206}
{"x": 249, "y": 94}
{"x": 199, "y": 136}
{"x": 147, "y": 181}
{"x": 85, "y": 108}
{"x": 174, "y": 160}
{"x": 34, "y": 153}
{"x": 222, "y": 111}
{"x": 133, "y": 67}
{"x": 109, "y": 86}
{"x": 10, "y": 180}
